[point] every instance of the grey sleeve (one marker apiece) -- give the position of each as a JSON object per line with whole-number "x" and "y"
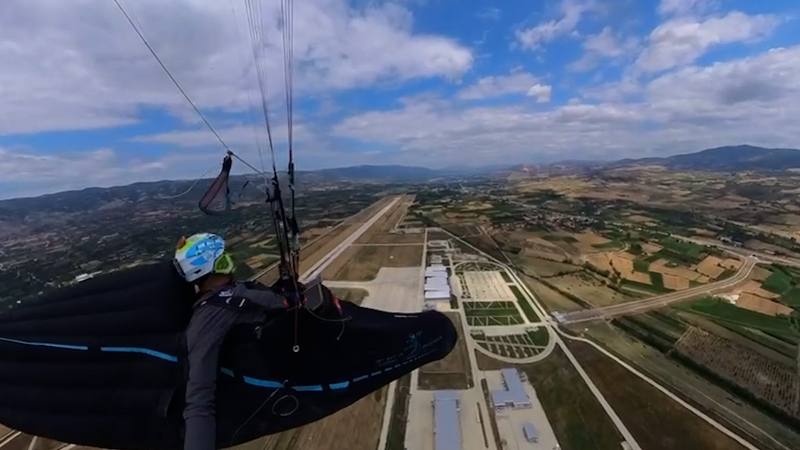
{"x": 204, "y": 337}
{"x": 266, "y": 298}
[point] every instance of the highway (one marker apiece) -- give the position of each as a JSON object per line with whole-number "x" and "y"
{"x": 740, "y": 250}
{"x": 661, "y": 300}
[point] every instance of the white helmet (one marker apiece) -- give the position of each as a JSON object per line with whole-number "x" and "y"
{"x": 200, "y": 255}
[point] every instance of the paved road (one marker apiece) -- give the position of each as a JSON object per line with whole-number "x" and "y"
{"x": 741, "y": 251}
{"x": 661, "y": 300}
{"x": 666, "y": 392}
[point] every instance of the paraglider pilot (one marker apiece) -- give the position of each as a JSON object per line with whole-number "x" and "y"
{"x": 222, "y": 303}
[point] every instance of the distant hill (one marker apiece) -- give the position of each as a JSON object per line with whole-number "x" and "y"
{"x": 375, "y": 173}
{"x": 724, "y": 159}
{"x": 186, "y": 192}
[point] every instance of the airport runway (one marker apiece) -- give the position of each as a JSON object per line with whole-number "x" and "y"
{"x": 320, "y": 265}
{"x": 661, "y": 300}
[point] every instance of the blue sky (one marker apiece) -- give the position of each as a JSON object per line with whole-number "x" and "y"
{"x": 418, "y": 82}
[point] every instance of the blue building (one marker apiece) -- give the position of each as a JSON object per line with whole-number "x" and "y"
{"x": 514, "y": 395}
{"x": 447, "y": 427}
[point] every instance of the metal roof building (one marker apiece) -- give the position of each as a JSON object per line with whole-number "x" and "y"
{"x": 531, "y": 435}
{"x": 514, "y": 395}
{"x": 437, "y": 295}
{"x": 446, "y": 426}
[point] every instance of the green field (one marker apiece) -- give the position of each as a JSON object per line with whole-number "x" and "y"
{"x": 539, "y": 337}
{"x": 610, "y": 245}
{"x": 525, "y": 304}
{"x": 657, "y": 281}
{"x": 641, "y": 265}
{"x": 556, "y": 238}
{"x": 646, "y": 287}
{"x": 779, "y": 282}
{"x": 506, "y": 276}
{"x": 726, "y": 312}
{"x": 791, "y": 298}
{"x": 482, "y": 314}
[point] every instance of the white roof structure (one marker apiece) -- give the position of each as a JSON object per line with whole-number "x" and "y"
{"x": 437, "y": 295}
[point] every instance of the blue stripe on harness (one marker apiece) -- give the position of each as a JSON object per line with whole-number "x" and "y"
{"x": 145, "y": 351}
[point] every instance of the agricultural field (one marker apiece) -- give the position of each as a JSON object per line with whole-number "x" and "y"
{"x": 655, "y": 421}
{"x": 515, "y": 345}
{"x": 578, "y": 420}
{"x": 589, "y": 289}
{"x": 724, "y": 312}
{"x": 705, "y": 394}
{"x": 451, "y": 372}
{"x": 482, "y": 314}
{"x": 766, "y": 379}
{"x": 552, "y": 299}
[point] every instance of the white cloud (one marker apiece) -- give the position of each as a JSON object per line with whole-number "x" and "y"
{"x": 490, "y": 13}
{"x": 496, "y": 86}
{"x": 84, "y": 67}
{"x": 32, "y": 173}
{"x": 541, "y": 92}
{"x": 681, "y": 41}
{"x": 572, "y": 11}
{"x": 752, "y": 100}
{"x": 604, "y": 45}
{"x": 678, "y": 7}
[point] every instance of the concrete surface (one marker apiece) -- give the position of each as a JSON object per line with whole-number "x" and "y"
{"x": 487, "y": 286}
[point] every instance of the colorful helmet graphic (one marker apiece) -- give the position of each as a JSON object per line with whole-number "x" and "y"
{"x": 200, "y": 255}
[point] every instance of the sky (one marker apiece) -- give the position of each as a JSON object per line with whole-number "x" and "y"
{"x": 434, "y": 83}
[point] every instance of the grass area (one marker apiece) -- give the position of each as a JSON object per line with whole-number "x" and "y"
{"x": 506, "y": 276}
{"x": 791, "y": 298}
{"x": 645, "y": 287}
{"x": 578, "y": 420}
{"x": 540, "y": 336}
{"x": 655, "y": 421}
{"x": 657, "y": 281}
{"x": 561, "y": 238}
{"x": 686, "y": 249}
{"x": 610, "y": 245}
{"x": 524, "y": 304}
{"x": 363, "y": 263}
{"x": 778, "y": 282}
{"x": 492, "y": 312}
{"x": 395, "y": 439}
{"x": 724, "y": 311}
{"x": 641, "y": 265}
{"x": 762, "y": 339}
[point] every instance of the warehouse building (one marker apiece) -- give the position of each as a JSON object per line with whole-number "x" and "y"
{"x": 531, "y": 434}
{"x": 446, "y": 427}
{"x": 514, "y": 395}
{"x": 436, "y": 285}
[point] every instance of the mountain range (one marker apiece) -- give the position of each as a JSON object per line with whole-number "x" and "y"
{"x": 727, "y": 159}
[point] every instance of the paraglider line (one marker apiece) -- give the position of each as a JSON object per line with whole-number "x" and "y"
{"x": 169, "y": 74}
{"x": 45, "y": 344}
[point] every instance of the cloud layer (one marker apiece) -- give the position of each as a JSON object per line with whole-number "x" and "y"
{"x": 390, "y": 81}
